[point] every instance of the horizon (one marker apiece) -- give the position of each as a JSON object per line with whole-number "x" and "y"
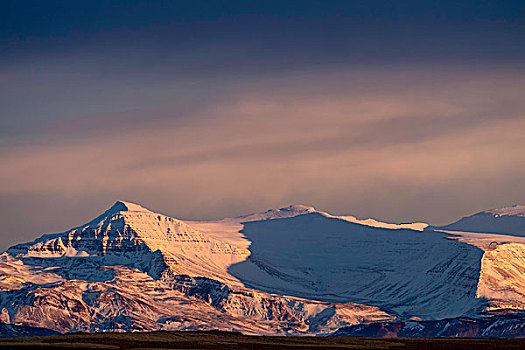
{"x": 398, "y": 111}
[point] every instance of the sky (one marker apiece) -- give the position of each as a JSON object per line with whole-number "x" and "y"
{"x": 397, "y": 110}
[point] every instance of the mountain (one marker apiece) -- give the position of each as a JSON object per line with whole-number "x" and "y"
{"x": 291, "y": 271}
{"x": 504, "y": 326}
{"x": 150, "y": 242}
{"x": 133, "y": 269}
{"x": 507, "y": 220}
{"x": 404, "y": 272}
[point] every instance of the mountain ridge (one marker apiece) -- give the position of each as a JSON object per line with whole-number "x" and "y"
{"x": 292, "y": 270}
{"x": 508, "y": 220}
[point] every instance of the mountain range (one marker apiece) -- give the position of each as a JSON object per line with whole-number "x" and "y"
{"x": 288, "y": 271}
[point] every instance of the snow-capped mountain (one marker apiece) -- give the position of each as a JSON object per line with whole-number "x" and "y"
{"x": 133, "y": 269}
{"x": 507, "y": 220}
{"x": 294, "y": 270}
{"x": 405, "y": 272}
{"x": 128, "y": 233}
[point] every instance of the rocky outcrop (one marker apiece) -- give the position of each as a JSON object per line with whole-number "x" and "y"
{"x": 504, "y": 326}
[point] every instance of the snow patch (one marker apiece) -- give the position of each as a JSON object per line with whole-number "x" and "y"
{"x": 417, "y": 226}
{"x": 515, "y": 210}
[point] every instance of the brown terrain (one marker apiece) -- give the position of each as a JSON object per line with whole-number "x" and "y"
{"x": 226, "y": 340}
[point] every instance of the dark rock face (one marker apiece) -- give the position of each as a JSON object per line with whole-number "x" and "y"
{"x": 504, "y": 326}
{"x": 211, "y": 291}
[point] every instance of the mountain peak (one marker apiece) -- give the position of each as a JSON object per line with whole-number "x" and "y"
{"x": 298, "y": 208}
{"x": 514, "y": 210}
{"x": 120, "y": 206}
{"x": 506, "y": 220}
{"x": 284, "y": 212}
{"x": 127, "y": 206}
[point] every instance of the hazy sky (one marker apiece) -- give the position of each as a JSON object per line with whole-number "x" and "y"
{"x": 399, "y": 110}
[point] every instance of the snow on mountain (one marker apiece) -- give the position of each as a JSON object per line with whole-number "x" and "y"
{"x": 128, "y": 233}
{"x": 134, "y": 301}
{"x": 416, "y": 226}
{"x": 515, "y": 210}
{"x": 285, "y": 212}
{"x": 502, "y": 278}
{"x": 406, "y": 272}
{"x": 502, "y": 275}
{"x": 293, "y": 270}
{"x": 297, "y": 209}
{"x": 507, "y": 220}
{"x": 16, "y": 275}
{"x": 229, "y": 229}
{"x": 501, "y": 234}
{"x": 133, "y": 269}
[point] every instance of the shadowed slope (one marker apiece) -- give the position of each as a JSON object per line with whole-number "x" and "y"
{"x": 407, "y": 272}
{"x": 507, "y": 220}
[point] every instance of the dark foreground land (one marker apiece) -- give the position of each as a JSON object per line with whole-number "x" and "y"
{"x": 225, "y": 340}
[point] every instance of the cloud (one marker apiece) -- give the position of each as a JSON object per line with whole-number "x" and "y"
{"x": 413, "y": 144}
{"x": 401, "y": 112}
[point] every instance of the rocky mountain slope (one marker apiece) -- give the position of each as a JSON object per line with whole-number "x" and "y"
{"x": 293, "y": 271}
{"x": 504, "y": 326}
{"x": 132, "y": 269}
